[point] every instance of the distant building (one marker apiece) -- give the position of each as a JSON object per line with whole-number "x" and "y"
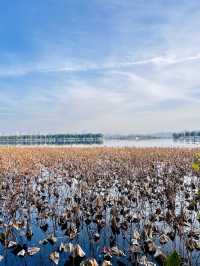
{"x": 55, "y": 139}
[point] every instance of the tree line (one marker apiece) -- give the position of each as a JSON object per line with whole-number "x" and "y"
{"x": 186, "y": 134}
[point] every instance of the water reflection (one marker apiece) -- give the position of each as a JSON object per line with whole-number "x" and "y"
{"x": 152, "y": 143}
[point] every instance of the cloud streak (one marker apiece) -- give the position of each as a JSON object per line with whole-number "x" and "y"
{"x": 157, "y": 61}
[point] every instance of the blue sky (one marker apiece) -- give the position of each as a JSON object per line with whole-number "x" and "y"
{"x": 107, "y": 66}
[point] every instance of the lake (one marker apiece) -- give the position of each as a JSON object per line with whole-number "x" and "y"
{"x": 145, "y": 143}
{"x": 151, "y": 143}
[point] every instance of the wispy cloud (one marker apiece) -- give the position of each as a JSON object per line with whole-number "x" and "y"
{"x": 160, "y": 61}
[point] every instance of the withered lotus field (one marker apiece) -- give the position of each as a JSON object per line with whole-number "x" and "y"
{"x": 99, "y": 206}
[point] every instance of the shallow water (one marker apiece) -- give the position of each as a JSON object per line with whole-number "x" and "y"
{"x": 103, "y": 166}
{"x": 85, "y": 236}
{"x": 151, "y": 143}
{"x": 162, "y": 143}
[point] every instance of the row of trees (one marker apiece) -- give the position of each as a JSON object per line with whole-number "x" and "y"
{"x": 186, "y": 134}
{"x": 57, "y": 139}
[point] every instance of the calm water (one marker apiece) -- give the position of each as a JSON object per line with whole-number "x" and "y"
{"x": 150, "y": 143}
{"x": 133, "y": 143}
{"x": 145, "y": 143}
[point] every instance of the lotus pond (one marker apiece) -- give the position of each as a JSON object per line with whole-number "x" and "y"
{"x": 99, "y": 206}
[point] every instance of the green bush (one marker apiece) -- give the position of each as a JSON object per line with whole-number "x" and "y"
{"x": 196, "y": 163}
{"x": 173, "y": 259}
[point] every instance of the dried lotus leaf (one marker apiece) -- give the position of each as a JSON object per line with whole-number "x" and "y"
{"x": 66, "y": 247}
{"x": 54, "y": 256}
{"x": 2, "y": 237}
{"x": 164, "y": 239}
{"x": 136, "y": 235}
{"x": 190, "y": 244}
{"x": 29, "y": 234}
{"x": 62, "y": 247}
{"x": 33, "y": 250}
{"x": 69, "y": 247}
{"x": 44, "y": 227}
{"x": 89, "y": 262}
{"x": 52, "y": 239}
{"x": 106, "y": 263}
{"x": 1, "y": 223}
{"x": 78, "y": 252}
{"x": 144, "y": 262}
{"x": 160, "y": 256}
{"x": 43, "y": 241}
{"x": 150, "y": 246}
{"x": 96, "y": 237}
{"x": 115, "y": 251}
{"x": 21, "y": 253}
{"x": 12, "y": 244}
{"x": 16, "y": 225}
{"x": 135, "y": 247}
{"x": 197, "y": 245}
